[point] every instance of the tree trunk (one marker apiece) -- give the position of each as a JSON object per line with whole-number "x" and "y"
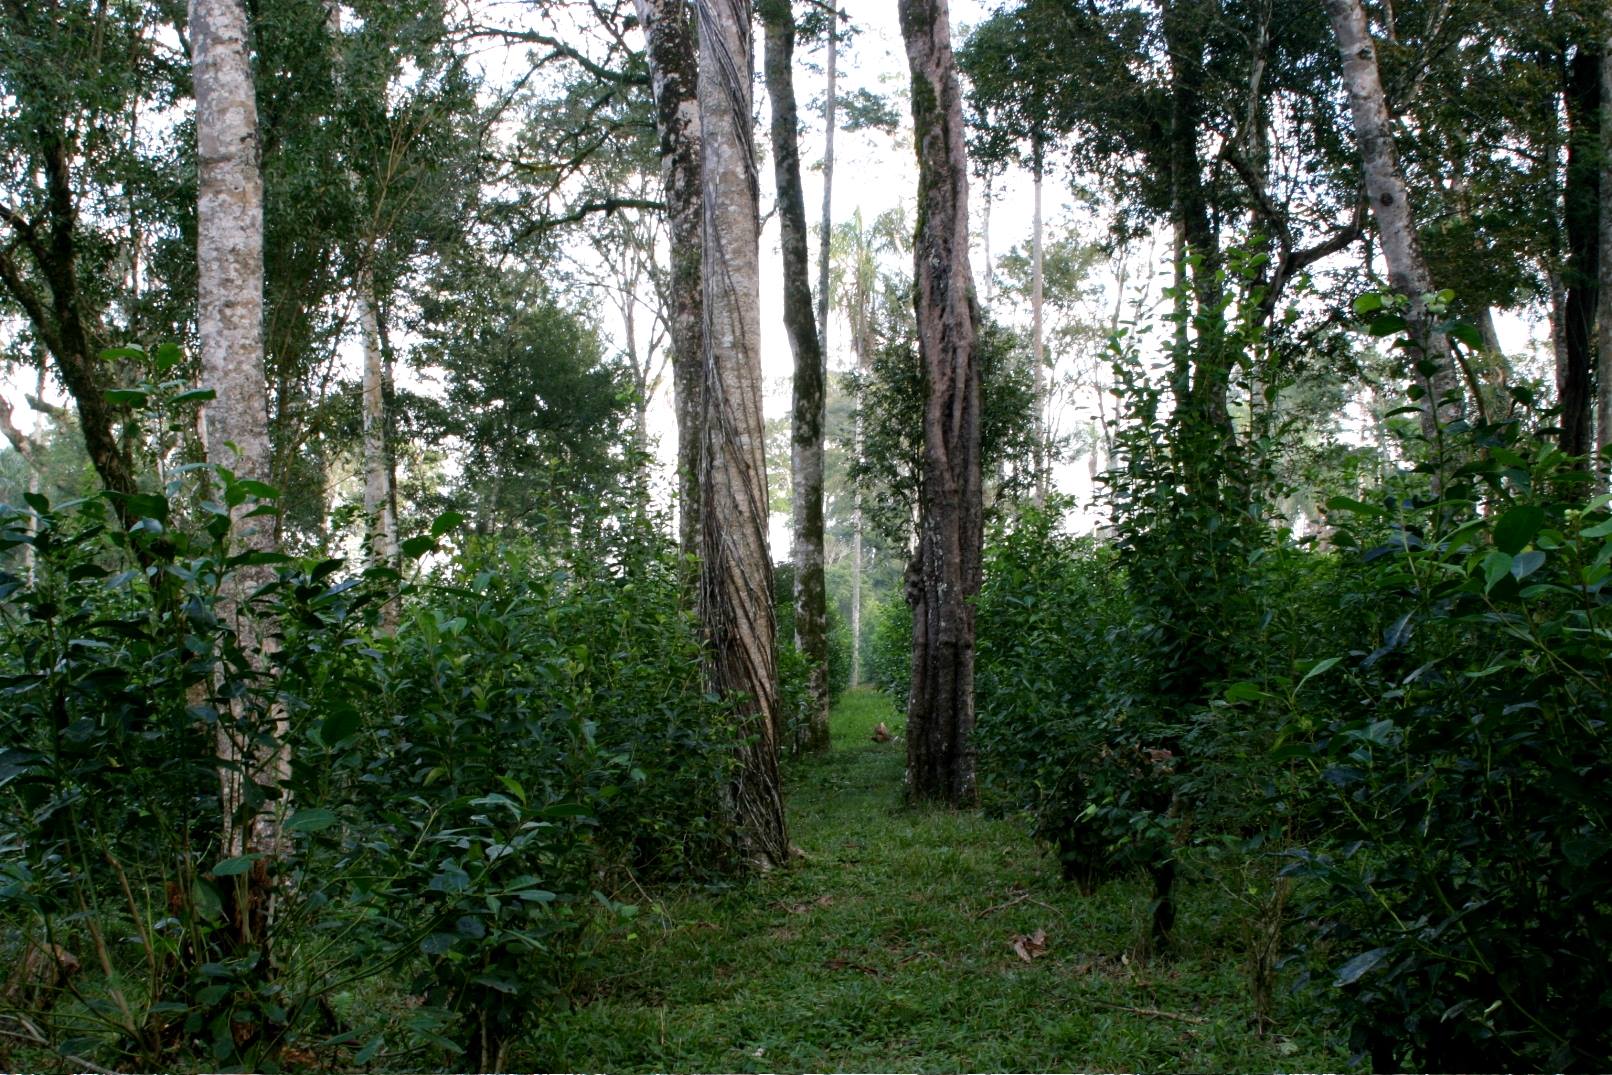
{"x": 808, "y": 415}
{"x": 1038, "y": 358}
{"x": 940, "y": 712}
{"x": 252, "y": 746}
{"x": 1603, "y": 431}
{"x": 1390, "y": 206}
{"x": 673, "y": 70}
{"x": 736, "y": 571}
{"x": 830, "y": 124}
{"x": 1581, "y": 205}
{"x": 379, "y": 500}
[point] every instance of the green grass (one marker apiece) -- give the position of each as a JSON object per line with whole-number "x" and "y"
{"x": 888, "y": 947}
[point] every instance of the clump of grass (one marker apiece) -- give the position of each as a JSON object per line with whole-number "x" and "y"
{"x": 889, "y": 947}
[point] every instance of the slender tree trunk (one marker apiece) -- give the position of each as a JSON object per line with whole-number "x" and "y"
{"x": 736, "y": 571}
{"x": 861, "y": 343}
{"x": 940, "y": 715}
{"x": 830, "y": 126}
{"x": 1603, "y": 343}
{"x": 809, "y": 412}
{"x": 1390, "y": 206}
{"x": 379, "y": 498}
{"x": 985, "y": 235}
{"x": 673, "y": 70}
{"x": 1038, "y": 355}
{"x": 253, "y": 745}
{"x": 1581, "y": 205}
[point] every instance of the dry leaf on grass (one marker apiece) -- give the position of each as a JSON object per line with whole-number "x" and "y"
{"x": 824, "y": 900}
{"x": 1030, "y": 945}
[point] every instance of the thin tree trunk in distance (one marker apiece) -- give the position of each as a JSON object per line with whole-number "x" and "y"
{"x": 673, "y": 71}
{"x": 830, "y": 123}
{"x": 1038, "y": 358}
{"x": 1390, "y": 206}
{"x": 809, "y": 411}
{"x": 229, "y": 290}
{"x": 940, "y": 713}
{"x": 736, "y": 570}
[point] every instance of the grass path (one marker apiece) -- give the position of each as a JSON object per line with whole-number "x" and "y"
{"x": 889, "y": 948}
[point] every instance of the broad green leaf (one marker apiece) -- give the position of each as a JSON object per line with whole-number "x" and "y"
{"x": 1526, "y": 563}
{"x": 445, "y": 522}
{"x": 313, "y": 819}
{"x": 1517, "y": 528}
{"x": 1320, "y": 667}
{"x": 1496, "y": 566}
{"x": 233, "y": 867}
{"x": 1352, "y": 971}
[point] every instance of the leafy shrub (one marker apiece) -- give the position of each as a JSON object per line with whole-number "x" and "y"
{"x": 463, "y": 796}
{"x": 1464, "y": 786}
{"x": 889, "y": 649}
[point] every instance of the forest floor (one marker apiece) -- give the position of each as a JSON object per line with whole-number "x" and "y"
{"x": 891, "y": 946}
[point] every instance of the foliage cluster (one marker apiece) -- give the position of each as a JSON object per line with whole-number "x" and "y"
{"x": 465, "y": 797}
{"x": 1399, "y": 731}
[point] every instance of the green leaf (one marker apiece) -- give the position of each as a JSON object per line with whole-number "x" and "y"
{"x": 1386, "y": 325}
{"x": 1368, "y": 303}
{"x": 1496, "y": 566}
{"x": 1319, "y": 667}
{"x": 1517, "y": 528}
{"x": 313, "y": 819}
{"x": 416, "y": 547}
{"x": 1466, "y": 334}
{"x": 127, "y": 397}
{"x": 448, "y": 520}
{"x": 1526, "y": 563}
{"x": 166, "y": 356}
{"x": 340, "y": 725}
{"x": 1352, "y": 971}
{"x": 117, "y": 354}
{"x": 566, "y": 810}
{"x": 1244, "y": 692}
{"x": 205, "y": 898}
{"x": 1599, "y": 530}
{"x": 196, "y": 395}
{"x": 233, "y": 867}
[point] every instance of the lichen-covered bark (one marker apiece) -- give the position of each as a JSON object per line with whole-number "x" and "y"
{"x": 940, "y": 712}
{"x": 673, "y": 71}
{"x": 808, "y": 414}
{"x": 229, "y": 291}
{"x": 1390, "y": 206}
{"x": 735, "y": 568}
{"x": 1038, "y": 363}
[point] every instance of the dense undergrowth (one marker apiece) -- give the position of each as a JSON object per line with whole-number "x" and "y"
{"x": 1402, "y": 749}
{"x": 464, "y": 801}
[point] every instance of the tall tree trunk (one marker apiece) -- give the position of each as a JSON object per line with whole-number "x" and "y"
{"x": 1390, "y": 206}
{"x": 253, "y": 745}
{"x": 985, "y": 235}
{"x": 830, "y": 126}
{"x": 379, "y": 497}
{"x": 940, "y": 712}
{"x": 1603, "y": 342}
{"x": 1038, "y": 357}
{"x": 736, "y": 571}
{"x": 1581, "y": 205}
{"x": 673, "y": 71}
{"x": 809, "y": 413}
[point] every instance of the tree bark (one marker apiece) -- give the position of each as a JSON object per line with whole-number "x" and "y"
{"x": 1038, "y": 358}
{"x": 1408, "y": 273}
{"x": 379, "y": 511}
{"x": 252, "y": 747}
{"x": 1581, "y": 205}
{"x": 1603, "y": 343}
{"x": 808, "y": 414}
{"x": 736, "y": 570}
{"x": 673, "y": 71}
{"x": 940, "y": 713}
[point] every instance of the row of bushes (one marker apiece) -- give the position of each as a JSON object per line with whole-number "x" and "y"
{"x": 463, "y": 796}
{"x": 1405, "y": 740}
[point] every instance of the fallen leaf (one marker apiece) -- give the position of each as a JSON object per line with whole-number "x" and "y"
{"x": 845, "y": 964}
{"x": 824, "y": 900}
{"x": 881, "y": 734}
{"x": 1030, "y": 945}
